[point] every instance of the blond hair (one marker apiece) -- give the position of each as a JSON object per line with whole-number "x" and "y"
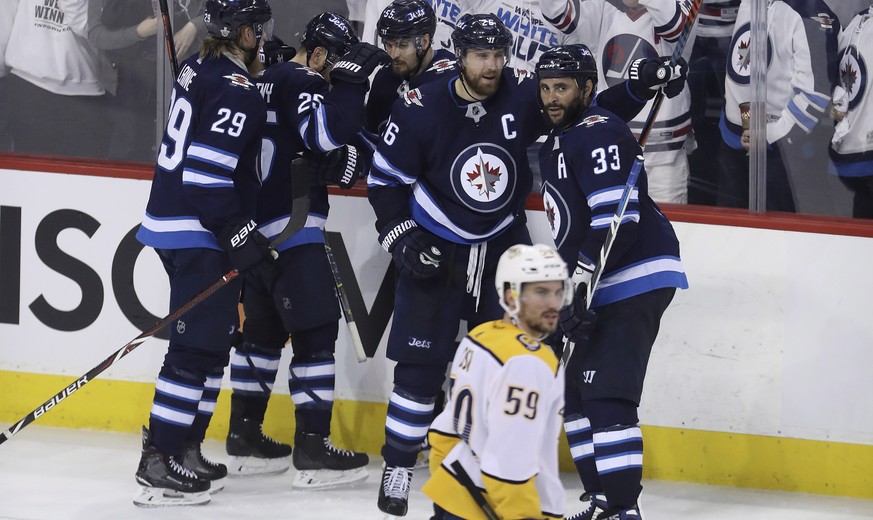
{"x": 211, "y": 47}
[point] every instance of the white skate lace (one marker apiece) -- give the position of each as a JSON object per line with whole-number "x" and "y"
{"x": 396, "y": 482}
{"x": 339, "y": 451}
{"x": 180, "y": 469}
{"x": 268, "y": 439}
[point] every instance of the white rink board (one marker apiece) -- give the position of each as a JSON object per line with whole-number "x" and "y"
{"x": 772, "y": 338}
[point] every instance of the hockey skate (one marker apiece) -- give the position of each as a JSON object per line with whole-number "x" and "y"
{"x": 253, "y": 453}
{"x": 321, "y": 465}
{"x": 165, "y": 482}
{"x": 596, "y": 505}
{"x": 192, "y": 458}
{"x": 394, "y": 491}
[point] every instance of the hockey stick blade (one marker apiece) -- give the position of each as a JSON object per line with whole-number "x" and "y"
{"x": 115, "y": 356}
{"x": 344, "y": 303}
{"x": 300, "y": 176}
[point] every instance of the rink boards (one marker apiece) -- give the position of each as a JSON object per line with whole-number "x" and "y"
{"x": 758, "y": 379}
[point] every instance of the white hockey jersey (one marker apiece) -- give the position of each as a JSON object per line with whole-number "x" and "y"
{"x": 801, "y": 69}
{"x": 531, "y": 34}
{"x": 852, "y": 146}
{"x": 617, "y": 36}
{"x": 501, "y": 423}
{"x": 48, "y": 47}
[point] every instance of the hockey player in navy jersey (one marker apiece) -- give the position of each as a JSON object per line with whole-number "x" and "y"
{"x": 315, "y": 105}
{"x": 199, "y": 220}
{"x": 406, "y": 28}
{"x": 585, "y": 163}
{"x": 449, "y": 199}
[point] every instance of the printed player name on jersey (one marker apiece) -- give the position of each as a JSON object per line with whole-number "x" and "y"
{"x": 186, "y": 76}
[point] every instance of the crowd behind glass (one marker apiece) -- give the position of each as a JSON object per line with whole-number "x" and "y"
{"x": 79, "y": 78}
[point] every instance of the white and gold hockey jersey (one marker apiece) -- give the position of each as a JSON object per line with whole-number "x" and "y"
{"x": 502, "y": 423}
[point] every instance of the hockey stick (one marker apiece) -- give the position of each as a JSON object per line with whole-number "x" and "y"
{"x": 300, "y": 176}
{"x": 344, "y": 303}
{"x": 168, "y": 37}
{"x": 632, "y": 177}
{"x": 474, "y": 491}
{"x": 118, "y": 354}
{"x": 674, "y": 59}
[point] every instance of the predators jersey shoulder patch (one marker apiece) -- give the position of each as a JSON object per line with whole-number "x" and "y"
{"x": 528, "y": 342}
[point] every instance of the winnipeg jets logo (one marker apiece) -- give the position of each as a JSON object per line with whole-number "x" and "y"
{"x": 557, "y": 213}
{"x": 593, "y": 120}
{"x": 483, "y": 177}
{"x": 240, "y": 80}
{"x": 824, "y": 19}
{"x": 620, "y": 52}
{"x": 413, "y": 97}
{"x": 853, "y": 75}
{"x": 551, "y": 214}
{"x": 743, "y": 56}
{"x": 740, "y": 58}
{"x": 440, "y": 66}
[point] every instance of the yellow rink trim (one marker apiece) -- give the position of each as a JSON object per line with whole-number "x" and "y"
{"x": 704, "y": 457}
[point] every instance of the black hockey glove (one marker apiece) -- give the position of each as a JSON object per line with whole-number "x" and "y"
{"x": 576, "y": 322}
{"x": 249, "y": 251}
{"x": 648, "y": 75}
{"x": 357, "y": 64}
{"x": 342, "y": 166}
{"x": 416, "y": 252}
{"x": 275, "y": 51}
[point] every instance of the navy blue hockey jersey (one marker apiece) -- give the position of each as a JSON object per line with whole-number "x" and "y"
{"x": 388, "y": 88}
{"x": 303, "y": 113}
{"x": 585, "y": 169}
{"x": 460, "y": 169}
{"x": 202, "y": 180}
